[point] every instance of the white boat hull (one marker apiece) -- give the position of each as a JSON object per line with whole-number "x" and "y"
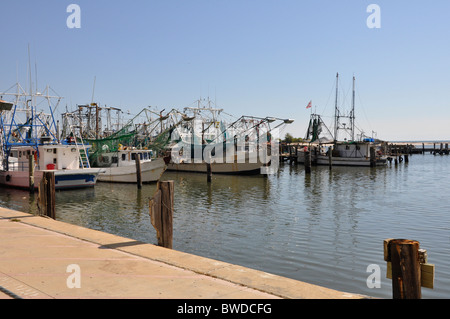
{"x": 151, "y": 171}
{"x": 218, "y": 168}
{"x": 64, "y": 179}
{"x": 341, "y": 161}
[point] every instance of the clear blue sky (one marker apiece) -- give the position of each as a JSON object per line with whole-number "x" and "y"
{"x": 253, "y": 57}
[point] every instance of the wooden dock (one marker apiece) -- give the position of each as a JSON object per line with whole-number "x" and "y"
{"x": 394, "y": 151}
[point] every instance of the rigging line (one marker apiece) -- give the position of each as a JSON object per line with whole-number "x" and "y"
{"x": 333, "y": 88}
{"x": 364, "y": 112}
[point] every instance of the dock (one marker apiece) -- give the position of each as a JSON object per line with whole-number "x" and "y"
{"x": 42, "y": 258}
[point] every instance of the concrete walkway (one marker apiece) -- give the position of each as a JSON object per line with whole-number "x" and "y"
{"x": 42, "y": 258}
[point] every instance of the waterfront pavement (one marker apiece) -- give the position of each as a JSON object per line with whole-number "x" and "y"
{"x": 41, "y": 258}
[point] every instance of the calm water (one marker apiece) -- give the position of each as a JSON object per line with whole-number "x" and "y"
{"x": 324, "y": 228}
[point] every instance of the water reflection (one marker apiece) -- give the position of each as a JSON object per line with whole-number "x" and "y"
{"x": 325, "y": 227}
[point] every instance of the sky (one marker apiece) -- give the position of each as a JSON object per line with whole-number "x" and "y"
{"x": 249, "y": 57}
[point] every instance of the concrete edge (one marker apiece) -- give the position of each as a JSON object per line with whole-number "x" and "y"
{"x": 280, "y": 286}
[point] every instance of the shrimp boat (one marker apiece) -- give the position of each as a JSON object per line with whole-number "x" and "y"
{"x": 117, "y": 151}
{"x": 120, "y": 166}
{"x": 29, "y": 136}
{"x": 326, "y": 148}
{"x": 209, "y": 142}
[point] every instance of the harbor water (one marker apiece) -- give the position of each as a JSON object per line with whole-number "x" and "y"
{"x": 324, "y": 228}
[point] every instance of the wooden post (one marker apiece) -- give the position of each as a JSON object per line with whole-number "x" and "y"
{"x": 31, "y": 171}
{"x": 161, "y": 213}
{"x": 373, "y": 159}
{"x": 403, "y": 254}
{"x": 138, "y": 171}
{"x": 208, "y": 172}
{"x": 330, "y": 157}
{"x": 46, "y": 197}
{"x": 308, "y": 161}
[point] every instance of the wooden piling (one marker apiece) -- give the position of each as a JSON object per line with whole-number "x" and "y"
{"x": 161, "y": 213}
{"x": 403, "y": 255}
{"x": 373, "y": 159}
{"x": 138, "y": 171}
{"x": 31, "y": 172}
{"x": 208, "y": 173}
{"x": 330, "y": 157}
{"x": 307, "y": 161}
{"x": 46, "y": 198}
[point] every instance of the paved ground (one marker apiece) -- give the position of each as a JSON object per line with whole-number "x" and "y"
{"x": 45, "y": 259}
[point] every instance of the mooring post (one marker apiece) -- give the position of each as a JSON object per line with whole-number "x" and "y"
{"x": 404, "y": 268}
{"x": 161, "y": 213}
{"x": 31, "y": 172}
{"x": 208, "y": 173}
{"x": 330, "y": 157}
{"x": 308, "y": 161}
{"x": 138, "y": 170}
{"x": 46, "y": 198}
{"x": 373, "y": 159}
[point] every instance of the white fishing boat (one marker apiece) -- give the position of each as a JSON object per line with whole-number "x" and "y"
{"x": 120, "y": 166}
{"x": 28, "y": 131}
{"x": 208, "y": 141}
{"x": 352, "y": 150}
{"x": 63, "y": 160}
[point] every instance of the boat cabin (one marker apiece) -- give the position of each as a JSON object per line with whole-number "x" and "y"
{"x": 123, "y": 158}
{"x": 48, "y": 157}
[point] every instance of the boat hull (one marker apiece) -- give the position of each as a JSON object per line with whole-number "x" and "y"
{"x": 64, "y": 179}
{"x": 218, "y": 168}
{"x": 151, "y": 171}
{"x": 341, "y": 161}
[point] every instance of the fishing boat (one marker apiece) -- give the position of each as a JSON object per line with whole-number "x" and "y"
{"x": 120, "y": 166}
{"x": 326, "y": 148}
{"x": 117, "y": 151}
{"x": 29, "y": 136}
{"x": 63, "y": 160}
{"x": 208, "y": 143}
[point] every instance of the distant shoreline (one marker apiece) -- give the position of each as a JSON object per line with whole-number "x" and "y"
{"x": 419, "y": 142}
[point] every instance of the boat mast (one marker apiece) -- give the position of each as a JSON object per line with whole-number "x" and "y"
{"x": 336, "y": 111}
{"x": 352, "y": 117}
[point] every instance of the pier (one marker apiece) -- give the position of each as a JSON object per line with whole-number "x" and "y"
{"x": 41, "y": 258}
{"x": 397, "y": 152}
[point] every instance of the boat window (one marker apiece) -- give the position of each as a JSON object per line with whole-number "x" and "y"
{"x": 145, "y": 156}
{"x": 133, "y": 156}
{"x": 115, "y": 159}
{"x": 140, "y": 156}
{"x": 124, "y": 156}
